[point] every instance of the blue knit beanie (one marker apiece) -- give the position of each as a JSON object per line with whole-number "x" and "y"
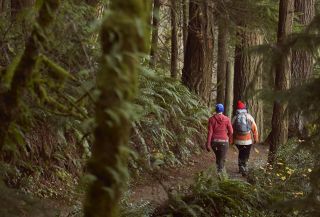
{"x": 219, "y": 108}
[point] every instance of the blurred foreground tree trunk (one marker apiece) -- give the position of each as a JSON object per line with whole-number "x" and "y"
{"x": 123, "y": 37}
{"x": 174, "y": 39}
{"x": 279, "y": 131}
{"x": 22, "y": 71}
{"x": 302, "y": 64}
{"x": 198, "y": 59}
{"x": 155, "y": 33}
{"x": 248, "y": 75}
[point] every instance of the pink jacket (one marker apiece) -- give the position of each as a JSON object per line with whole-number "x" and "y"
{"x": 219, "y": 128}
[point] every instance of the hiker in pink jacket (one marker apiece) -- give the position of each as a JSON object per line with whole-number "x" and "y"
{"x": 219, "y": 135}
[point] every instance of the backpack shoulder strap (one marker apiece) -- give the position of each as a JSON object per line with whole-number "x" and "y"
{"x": 250, "y": 118}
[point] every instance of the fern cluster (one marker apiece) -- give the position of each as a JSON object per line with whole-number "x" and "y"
{"x": 213, "y": 197}
{"x": 172, "y": 122}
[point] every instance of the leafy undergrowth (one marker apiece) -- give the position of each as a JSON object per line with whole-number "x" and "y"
{"x": 48, "y": 159}
{"x": 172, "y": 122}
{"x": 213, "y": 196}
{"x": 270, "y": 191}
{"x": 288, "y": 180}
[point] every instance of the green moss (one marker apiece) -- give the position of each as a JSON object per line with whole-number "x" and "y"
{"x": 57, "y": 72}
{"x": 9, "y": 73}
{"x": 122, "y": 39}
{"x": 21, "y": 71}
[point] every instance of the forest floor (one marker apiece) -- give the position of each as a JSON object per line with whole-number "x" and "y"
{"x": 155, "y": 190}
{"x": 146, "y": 189}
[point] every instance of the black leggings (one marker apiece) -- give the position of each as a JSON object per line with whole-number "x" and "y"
{"x": 244, "y": 153}
{"x": 220, "y": 150}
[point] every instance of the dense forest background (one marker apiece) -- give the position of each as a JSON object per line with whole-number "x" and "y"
{"x": 96, "y": 95}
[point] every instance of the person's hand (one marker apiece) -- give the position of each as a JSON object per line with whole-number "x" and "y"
{"x": 208, "y": 148}
{"x": 230, "y": 141}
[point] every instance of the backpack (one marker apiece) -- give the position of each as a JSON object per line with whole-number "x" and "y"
{"x": 242, "y": 124}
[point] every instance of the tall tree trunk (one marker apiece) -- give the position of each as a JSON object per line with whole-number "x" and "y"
{"x": 22, "y": 74}
{"x": 198, "y": 59}
{"x": 279, "y": 132}
{"x": 108, "y": 164}
{"x": 229, "y": 88}
{"x": 2, "y": 7}
{"x": 302, "y": 63}
{"x": 248, "y": 75}
{"x": 185, "y": 14}
{"x": 174, "y": 40}
{"x": 223, "y": 35}
{"x": 155, "y": 33}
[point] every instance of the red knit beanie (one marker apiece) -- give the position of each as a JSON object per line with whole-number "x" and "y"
{"x": 241, "y": 105}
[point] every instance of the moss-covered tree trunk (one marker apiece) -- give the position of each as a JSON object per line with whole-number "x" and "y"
{"x": 22, "y": 71}
{"x": 123, "y": 37}
{"x": 198, "y": 59}
{"x": 279, "y": 132}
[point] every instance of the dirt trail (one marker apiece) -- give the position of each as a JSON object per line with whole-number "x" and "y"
{"x": 177, "y": 178}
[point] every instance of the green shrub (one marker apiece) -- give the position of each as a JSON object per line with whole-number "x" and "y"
{"x": 212, "y": 196}
{"x": 287, "y": 180}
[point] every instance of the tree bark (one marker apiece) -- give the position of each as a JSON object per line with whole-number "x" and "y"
{"x": 155, "y": 34}
{"x": 185, "y": 14}
{"x": 279, "y": 132}
{"x": 301, "y": 65}
{"x": 2, "y": 6}
{"x": 174, "y": 40}
{"x": 248, "y": 75}
{"x": 121, "y": 41}
{"x": 229, "y": 90}
{"x": 22, "y": 72}
{"x": 223, "y": 36}
{"x": 198, "y": 59}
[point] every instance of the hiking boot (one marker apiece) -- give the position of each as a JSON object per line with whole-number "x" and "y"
{"x": 244, "y": 174}
{"x": 243, "y": 170}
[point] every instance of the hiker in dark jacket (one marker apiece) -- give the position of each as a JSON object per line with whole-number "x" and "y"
{"x": 219, "y": 133}
{"x": 245, "y": 135}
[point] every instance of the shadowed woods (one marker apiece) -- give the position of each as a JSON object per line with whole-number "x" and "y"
{"x": 105, "y": 105}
